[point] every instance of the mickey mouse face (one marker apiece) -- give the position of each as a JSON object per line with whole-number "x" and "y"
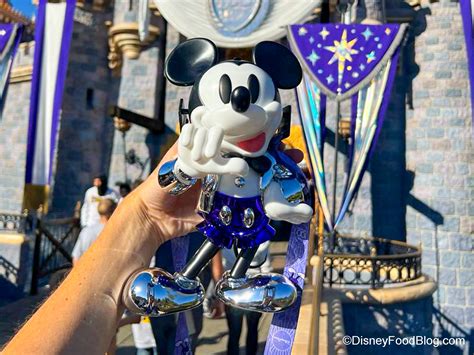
{"x": 239, "y": 97}
{"x": 238, "y": 84}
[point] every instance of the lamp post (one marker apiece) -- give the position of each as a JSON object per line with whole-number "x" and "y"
{"x": 123, "y": 126}
{"x": 343, "y": 7}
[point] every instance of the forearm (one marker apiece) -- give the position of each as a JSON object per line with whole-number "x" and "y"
{"x": 87, "y": 306}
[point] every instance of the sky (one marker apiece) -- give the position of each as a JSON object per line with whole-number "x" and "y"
{"x": 24, "y": 6}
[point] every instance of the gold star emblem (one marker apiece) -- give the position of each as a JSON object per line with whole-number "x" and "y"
{"x": 324, "y": 33}
{"x": 342, "y": 51}
{"x": 302, "y": 31}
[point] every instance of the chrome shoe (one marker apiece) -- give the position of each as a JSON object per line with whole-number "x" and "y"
{"x": 261, "y": 293}
{"x": 155, "y": 292}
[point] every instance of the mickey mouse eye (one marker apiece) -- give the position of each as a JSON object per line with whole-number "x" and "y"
{"x": 254, "y": 87}
{"x": 225, "y": 86}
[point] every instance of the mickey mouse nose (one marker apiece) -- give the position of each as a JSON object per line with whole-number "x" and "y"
{"x": 240, "y": 99}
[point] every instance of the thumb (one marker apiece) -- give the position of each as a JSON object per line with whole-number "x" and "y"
{"x": 235, "y": 166}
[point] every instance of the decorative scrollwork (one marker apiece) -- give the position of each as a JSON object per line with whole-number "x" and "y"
{"x": 124, "y": 41}
{"x": 14, "y": 222}
{"x": 370, "y": 261}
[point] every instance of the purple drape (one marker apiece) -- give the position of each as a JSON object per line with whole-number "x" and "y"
{"x": 342, "y": 61}
{"x": 36, "y": 84}
{"x": 179, "y": 248}
{"x": 10, "y": 36}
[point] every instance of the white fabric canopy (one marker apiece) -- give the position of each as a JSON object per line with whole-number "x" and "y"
{"x": 193, "y": 18}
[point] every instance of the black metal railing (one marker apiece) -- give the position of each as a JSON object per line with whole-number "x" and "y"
{"x": 54, "y": 241}
{"x": 373, "y": 262}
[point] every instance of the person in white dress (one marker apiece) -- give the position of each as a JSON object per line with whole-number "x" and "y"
{"x": 98, "y": 192}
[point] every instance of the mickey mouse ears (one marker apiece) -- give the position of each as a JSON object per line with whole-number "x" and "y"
{"x": 279, "y": 62}
{"x": 190, "y": 60}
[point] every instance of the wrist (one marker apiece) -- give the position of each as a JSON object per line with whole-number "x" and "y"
{"x": 127, "y": 244}
{"x": 134, "y": 219}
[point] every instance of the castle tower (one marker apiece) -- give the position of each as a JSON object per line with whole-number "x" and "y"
{"x": 440, "y": 162}
{"x": 86, "y": 131}
{"x": 14, "y": 118}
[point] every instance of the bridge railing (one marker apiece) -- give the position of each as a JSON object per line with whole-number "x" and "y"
{"x": 54, "y": 241}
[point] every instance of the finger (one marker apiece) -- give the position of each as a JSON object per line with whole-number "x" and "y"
{"x": 198, "y": 145}
{"x": 236, "y": 166}
{"x": 186, "y": 136}
{"x": 295, "y": 154}
{"x": 220, "y": 165}
{"x": 214, "y": 141}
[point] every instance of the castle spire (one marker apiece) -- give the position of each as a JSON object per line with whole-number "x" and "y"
{"x": 9, "y": 14}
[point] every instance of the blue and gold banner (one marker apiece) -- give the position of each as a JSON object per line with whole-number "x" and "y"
{"x": 356, "y": 62}
{"x": 53, "y": 33}
{"x": 10, "y": 35}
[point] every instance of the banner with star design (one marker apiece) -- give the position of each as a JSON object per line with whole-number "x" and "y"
{"x": 356, "y": 62}
{"x": 10, "y": 35}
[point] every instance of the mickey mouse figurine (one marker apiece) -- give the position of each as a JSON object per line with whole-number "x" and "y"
{"x": 229, "y": 139}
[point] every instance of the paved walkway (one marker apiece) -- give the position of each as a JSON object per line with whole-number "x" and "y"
{"x": 13, "y": 315}
{"x": 213, "y": 338}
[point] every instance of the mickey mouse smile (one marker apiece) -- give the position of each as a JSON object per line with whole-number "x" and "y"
{"x": 253, "y": 144}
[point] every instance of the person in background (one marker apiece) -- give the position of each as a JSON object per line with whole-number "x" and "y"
{"x": 124, "y": 189}
{"x": 90, "y": 233}
{"x": 142, "y": 334}
{"x": 81, "y": 316}
{"x": 141, "y": 328}
{"x": 260, "y": 264}
{"x": 143, "y": 337}
{"x": 100, "y": 190}
{"x": 213, "y": 308}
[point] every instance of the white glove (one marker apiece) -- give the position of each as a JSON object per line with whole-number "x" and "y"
{"x": 199, "y": 153}
{"x": 279, "y": 209}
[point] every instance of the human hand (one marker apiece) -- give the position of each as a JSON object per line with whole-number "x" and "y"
{"x": 173, "y": 215}
{"x": 217, "y": 309}
{"x": 170, "y": 215}
{"x": 278, "y": 208}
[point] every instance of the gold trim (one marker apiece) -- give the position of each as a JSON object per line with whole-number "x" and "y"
{"x": 416, "y": 250}
{"x": 21, "y": 74}
{"x": 12, "y": 238}
{"x": 154, "y": 10}
{"x": 417, "y": 289}
{"x": 124, "y": 41}
{"x": 35, "y": 197}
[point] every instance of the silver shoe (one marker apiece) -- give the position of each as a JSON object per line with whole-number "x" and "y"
{"x": 261, "y": 293}
{"x": 155, "y": 292}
